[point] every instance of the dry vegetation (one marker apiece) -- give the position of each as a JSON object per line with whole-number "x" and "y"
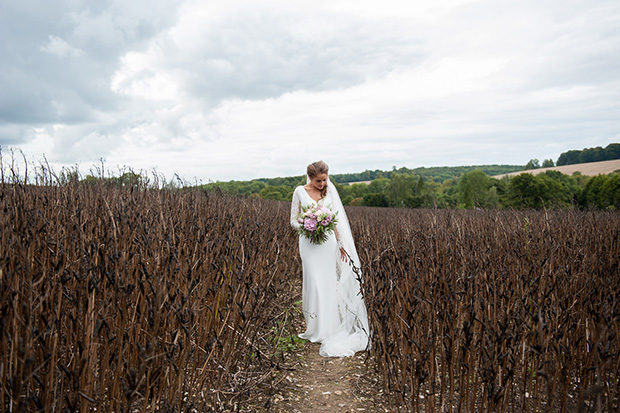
{"x": 494, "y": 310}
{"x": 143, "y": 299}
{"x": 137, "y": 299}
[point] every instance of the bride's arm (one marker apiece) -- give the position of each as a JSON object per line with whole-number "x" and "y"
{"x": 295, "y": 210}
{"x": 343, "y": 252}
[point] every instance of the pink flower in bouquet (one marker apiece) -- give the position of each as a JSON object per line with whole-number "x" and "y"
{"x": 310, "y": 224}
{"x": 318, "y": 222}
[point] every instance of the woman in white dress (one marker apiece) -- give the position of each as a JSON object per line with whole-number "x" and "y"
{"x": 333, "y": 305}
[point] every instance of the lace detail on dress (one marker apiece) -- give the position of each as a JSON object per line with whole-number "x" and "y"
{"x": 338, "y": 269}
{"x": 295, "y": 209}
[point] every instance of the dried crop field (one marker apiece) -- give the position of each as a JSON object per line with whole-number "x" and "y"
{"x": 141, "y": 299}
{"x": 137, "y": 299}
{"x": 494, "y": 310}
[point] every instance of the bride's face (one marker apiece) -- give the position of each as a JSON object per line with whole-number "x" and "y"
{"x": 319, "y": 181}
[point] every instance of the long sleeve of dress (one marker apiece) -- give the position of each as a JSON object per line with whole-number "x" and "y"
{"x": 295, "y": 209}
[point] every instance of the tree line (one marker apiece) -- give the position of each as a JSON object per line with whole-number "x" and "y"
{"x": 435, "y": 173}
{"x": 474, "y": 189}
{"x": 464, "y": 187}
{"x": 586, "y": 155}
{"x": 611, "y": 151}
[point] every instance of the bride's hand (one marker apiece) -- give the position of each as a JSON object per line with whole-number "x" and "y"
{"x": 343, "y": 254}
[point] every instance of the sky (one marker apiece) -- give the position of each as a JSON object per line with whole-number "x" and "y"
{"x": 223, "y": 90}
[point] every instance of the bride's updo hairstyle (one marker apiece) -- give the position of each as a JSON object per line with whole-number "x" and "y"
{"x": 315, "y": 169}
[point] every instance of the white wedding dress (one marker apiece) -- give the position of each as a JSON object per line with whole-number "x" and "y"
{"x": 333, "y": 305}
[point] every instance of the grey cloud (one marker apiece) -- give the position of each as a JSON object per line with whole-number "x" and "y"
{"x": 257, "y": 55}
{"x": 59, "y": 47}
{"x": 12, "y": 134}
{"x": 58, "y": 57}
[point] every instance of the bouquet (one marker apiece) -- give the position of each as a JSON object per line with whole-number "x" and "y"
{"x": 316, "y": 223}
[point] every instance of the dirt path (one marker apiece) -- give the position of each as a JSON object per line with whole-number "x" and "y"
{"x": 306, "y": 382}
{"x": 319, "y": 384}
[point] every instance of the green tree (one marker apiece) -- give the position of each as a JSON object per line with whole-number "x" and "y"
{"x": 253, "y": 187}
{"x": 558, "y": 189}
{"x": 399, "y": 191}
{"x": 549, "y": 189}
{"x": 425, "y": 195}
{"x": 602, "y": 191}
{"x": 359, "y": 190}
{"x": 592, "y": 155}
{"x": 548, "y": 163}
{"x": 593, "y": 193}
{"x": 568, "y": 158}
{"x": 532, "y": 164}
{"x": 375, "y": 199}
{"x": 446, "y": 194}
{"x": 276, "y": 192}
{"x": 571, "y": 185}
{"x": 378, "y": 185}
{"x": 90, "y": 180}
{"x": 526, "y": 191}
{"x": 612, "y": 151}
{"x": 475, "y": 189}
{"x": 612, "y": 191}
{"x": 344, "y": 191}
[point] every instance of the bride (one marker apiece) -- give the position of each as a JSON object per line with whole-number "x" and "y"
{"x": 333, "y": 306}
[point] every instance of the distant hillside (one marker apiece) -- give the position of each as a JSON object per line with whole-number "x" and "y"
{"x": 588, "y": 169}
{"x": 437, "y": 174}
{"x": 458, "y": 187}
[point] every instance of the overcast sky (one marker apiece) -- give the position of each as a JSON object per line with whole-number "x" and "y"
{"x": 221, "y": 90}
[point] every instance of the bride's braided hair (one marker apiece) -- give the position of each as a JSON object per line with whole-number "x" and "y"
{"x": 316, "y": 168}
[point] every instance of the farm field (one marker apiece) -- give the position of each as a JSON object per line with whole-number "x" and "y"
{"x": 589, "y": 169}
{"x": 494, "y": 310}
{"x": 141, "y": 299}
{"x": 136, "y": 299}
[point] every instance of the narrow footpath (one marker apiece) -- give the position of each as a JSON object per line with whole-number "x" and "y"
{"x": 309, "y": 383}
{"x": 319, "y": 384}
